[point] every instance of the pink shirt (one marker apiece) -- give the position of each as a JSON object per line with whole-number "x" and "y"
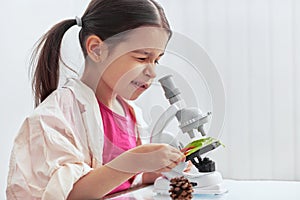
{"x": 119, "y": 135}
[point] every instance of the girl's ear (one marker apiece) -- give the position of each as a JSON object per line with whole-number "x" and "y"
{"x": 93, "y": 47}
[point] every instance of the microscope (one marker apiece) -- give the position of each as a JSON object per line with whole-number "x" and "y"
{"x": 203, "y": 175}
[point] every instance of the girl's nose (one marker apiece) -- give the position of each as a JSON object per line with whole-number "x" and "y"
{"x": 150, "y": 71}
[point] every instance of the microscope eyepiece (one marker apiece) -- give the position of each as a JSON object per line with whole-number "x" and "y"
{"x": 172, "y": 93}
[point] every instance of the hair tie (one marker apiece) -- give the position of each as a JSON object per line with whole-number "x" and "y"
{"x": 78, "y": 21}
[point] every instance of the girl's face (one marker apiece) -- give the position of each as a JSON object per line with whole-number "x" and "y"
{"x": 130, "y": 74}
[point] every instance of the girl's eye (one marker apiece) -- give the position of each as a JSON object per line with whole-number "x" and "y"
{"x": 142, "y": 59}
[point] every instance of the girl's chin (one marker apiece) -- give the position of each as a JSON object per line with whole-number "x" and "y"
{"x": 135, "y": 95}
{"x": 132, "y": 93}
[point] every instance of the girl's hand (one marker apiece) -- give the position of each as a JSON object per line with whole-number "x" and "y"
{"x": 150, "y": 177}
{"x": 159, "y": 157}
{"x": 189, "y": 167}
{"x": 148, "y": 158}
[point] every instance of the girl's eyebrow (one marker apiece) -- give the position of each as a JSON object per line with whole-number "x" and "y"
{"x": 140, "y": 51}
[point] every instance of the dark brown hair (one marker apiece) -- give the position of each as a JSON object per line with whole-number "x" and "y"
{"x": 104, "y": 18}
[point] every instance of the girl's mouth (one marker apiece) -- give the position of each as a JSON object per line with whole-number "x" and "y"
{"x": 140, "y": 84}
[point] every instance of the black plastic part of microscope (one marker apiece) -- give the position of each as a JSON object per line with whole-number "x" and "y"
{"x": 203, "y": 165}
{"x": 194, "y": 184}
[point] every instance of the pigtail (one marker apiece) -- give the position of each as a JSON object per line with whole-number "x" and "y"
{"x": 45, "y": 61}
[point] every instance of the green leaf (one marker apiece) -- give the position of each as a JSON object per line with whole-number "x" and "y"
{"x": 198, "y": 144}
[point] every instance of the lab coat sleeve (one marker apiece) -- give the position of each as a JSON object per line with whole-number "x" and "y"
{"x": 47, "y": 158}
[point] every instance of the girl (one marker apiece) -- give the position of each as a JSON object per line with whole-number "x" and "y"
{"x": 82, "y": 140}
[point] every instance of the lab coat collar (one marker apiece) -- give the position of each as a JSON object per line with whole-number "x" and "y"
{"x": 84, "y": 94}
{"x": 91, "y": 118}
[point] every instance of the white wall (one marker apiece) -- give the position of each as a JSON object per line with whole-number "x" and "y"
{"x": 255, "y": 45}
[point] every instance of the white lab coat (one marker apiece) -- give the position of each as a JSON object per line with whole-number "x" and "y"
{"x": 58, "y": 144}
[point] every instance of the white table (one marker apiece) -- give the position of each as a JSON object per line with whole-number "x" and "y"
{"x": 237, "y": 190}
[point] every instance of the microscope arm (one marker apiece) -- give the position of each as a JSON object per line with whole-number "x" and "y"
{"x": 165, "y": 118}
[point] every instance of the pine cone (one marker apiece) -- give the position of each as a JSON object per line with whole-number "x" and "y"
{"x": 181, "y": 188}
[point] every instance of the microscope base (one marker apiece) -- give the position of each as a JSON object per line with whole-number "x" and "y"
{"x": 207, "y": 183}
